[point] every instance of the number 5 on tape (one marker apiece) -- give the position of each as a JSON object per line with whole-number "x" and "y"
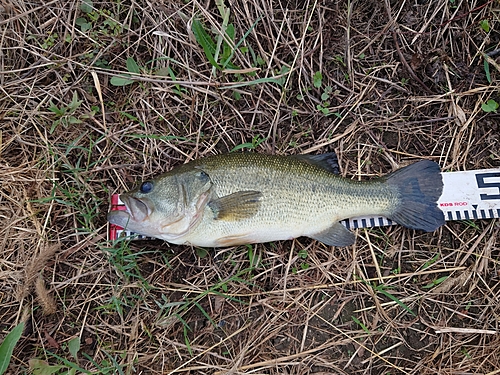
{"x": 482, "y": 182}
{"x": 471, "y": 195}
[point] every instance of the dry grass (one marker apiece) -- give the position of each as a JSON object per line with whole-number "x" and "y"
{"x": 407, "y": 82}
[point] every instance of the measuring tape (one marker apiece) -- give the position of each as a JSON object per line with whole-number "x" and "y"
{"x": 466, "y": 195}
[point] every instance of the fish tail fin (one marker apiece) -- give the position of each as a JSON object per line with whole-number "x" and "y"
{"x": 419, "y": 186}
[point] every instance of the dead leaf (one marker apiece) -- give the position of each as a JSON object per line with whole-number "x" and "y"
{"x": 51, "y": 341}
{"x": 458, "y": 112}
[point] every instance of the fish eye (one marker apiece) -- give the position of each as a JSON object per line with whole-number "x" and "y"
{"x": 146, "y": 187}
{"x": 202, "y": 176}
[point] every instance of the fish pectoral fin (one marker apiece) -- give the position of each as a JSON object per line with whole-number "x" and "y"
{"x": 326, "y": 161}
{"x": 236, "y": 206}
{"x": 336, "y": 235}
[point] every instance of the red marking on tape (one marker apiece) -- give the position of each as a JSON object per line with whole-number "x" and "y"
{"x": 112, "y": 231}
{"x": 115, "y": 206}
{"x": 115, "y": 199}
{"x": 453, "y": 204}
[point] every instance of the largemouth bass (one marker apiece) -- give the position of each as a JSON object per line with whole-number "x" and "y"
{"x": 243, "y": 198}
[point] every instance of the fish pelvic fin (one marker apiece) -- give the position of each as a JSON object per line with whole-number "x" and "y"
{"x": 336, "y": 235}
{"x": 237, "y": 206}
{"x": 419, "y": 186}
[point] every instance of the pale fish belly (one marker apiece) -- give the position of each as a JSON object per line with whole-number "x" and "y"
{"x": 278, "y": 221}
{"x": 240, "y": 237}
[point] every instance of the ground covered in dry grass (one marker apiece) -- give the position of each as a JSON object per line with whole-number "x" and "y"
{"x": 96, "y": 96}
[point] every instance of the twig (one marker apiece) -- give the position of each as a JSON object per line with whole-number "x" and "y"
{"x": 401, "y": 57}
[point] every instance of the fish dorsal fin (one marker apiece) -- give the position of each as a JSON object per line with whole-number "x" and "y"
{"x": 336, "y": 235}
{"x": 328, "y": 161}
{"x": 236, "y": 206}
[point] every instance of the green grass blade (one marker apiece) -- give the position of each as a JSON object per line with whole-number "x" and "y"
{"x": 227, "y": 49}
{"x": 187, "y": 342}
{"x": 205, "y": 314}
{"x": 255, "y": 82}
{"x": 115, "y": 364}
{"x": 220, "y": 37}
{"x": 487, "y": 70}
{"x": 7, "y": 346}
{"x": 205, "y": 41}
{"x": 227, "y": 296}
{"x": 240, "y": 41}
{"x": 39, "y": 367}
{"x": 185, "y": 328}
{"x": 430, "y": 261}
{"x": 69, "y": 363}
{"x": 243, "y": 145}
{"x": 389, "y": 295}
{"x": 358, "y": 322}
{"x": 435, "y": 282}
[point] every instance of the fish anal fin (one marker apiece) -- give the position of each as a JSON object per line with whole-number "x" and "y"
{"x": 235, "y": 240}
{"x": 336, "y": 235}
{"x": 237, "y": 206}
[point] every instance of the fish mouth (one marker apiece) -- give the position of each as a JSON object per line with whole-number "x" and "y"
{"x": 120, "y": 218}
{"x": 135, "y": 211}
{"x": 136, "y": 208}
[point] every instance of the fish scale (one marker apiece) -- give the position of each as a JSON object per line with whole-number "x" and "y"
{"x": 290, "y": 208}
{"x": 244, "y": 198}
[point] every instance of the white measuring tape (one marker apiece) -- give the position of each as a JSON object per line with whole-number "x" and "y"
{"x": 466, "y": 195}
